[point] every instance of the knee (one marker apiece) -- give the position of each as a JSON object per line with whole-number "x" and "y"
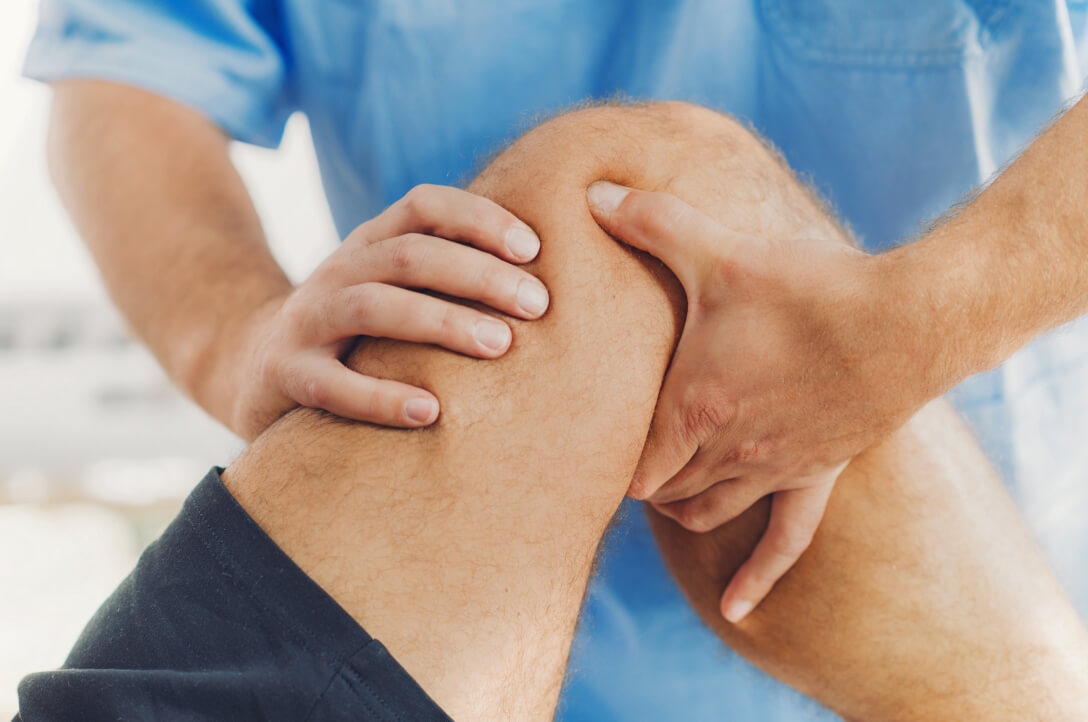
{"x": 710, "y": 159}
{"x": 599, "y": 288}
{"x": 642, "y": 144}
{"x": 678, "y": 147}
{"x": 542, "y": 177}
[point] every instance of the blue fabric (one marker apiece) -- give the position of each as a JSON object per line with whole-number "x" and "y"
{"x": 895, "y": 108}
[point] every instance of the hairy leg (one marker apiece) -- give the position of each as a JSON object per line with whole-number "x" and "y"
{"x": 921, "y": 597}
{"x": 465, "y": 547}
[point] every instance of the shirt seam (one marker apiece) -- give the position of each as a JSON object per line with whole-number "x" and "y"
{"x": 303, "y": 636}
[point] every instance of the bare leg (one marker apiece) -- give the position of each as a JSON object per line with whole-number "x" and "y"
{"x": 921, "y": 598}
{"x": 465, "y": 548}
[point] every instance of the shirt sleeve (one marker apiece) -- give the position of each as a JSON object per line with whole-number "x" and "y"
{"x": 224, "y": 58}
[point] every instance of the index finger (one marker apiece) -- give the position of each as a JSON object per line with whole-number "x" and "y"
{"x": 457, "y": 215}
{"x": 795, "y": 515}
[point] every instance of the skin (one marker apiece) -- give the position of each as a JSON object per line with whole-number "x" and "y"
{"x": 778, "y": 414}
{"x": 737, "y": 288}
{"x": 465, "y": 546}
{"x": 824, "y": 328}
{"x": 151, "y": 188}
{"x": 921, "y": 597}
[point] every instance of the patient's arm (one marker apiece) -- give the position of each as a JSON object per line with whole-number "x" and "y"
{"x": 465, "y": 547}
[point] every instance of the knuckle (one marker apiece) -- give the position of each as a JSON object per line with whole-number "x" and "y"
{"x": 702, "y": 417}
{"x": 406, "y": 252}
{"x": 417, "y": 199}
{"x": 290, "y": 380}
{"x": 273, "y": 372}
{"x": 379, "y": 404}
{"x": 448, "y": 321}
{"x": 295, "y": 317}
{"x": 361, "y": 303}
{"x": 314, "y": 392}
{"x": 748, "y": 452}
{"x": 790, "y": 542}
{"x": 368, "y": 297}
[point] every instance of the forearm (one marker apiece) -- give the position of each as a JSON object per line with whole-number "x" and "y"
{"x": 151, "y": 189}
{"x": 1011, "y": 265}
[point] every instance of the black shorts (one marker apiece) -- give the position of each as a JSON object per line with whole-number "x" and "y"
{"x": 217, "y": 623}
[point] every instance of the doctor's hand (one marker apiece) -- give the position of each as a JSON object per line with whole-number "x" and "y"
{"x": 789, "y": 365}
{"x": 435, "y": 238}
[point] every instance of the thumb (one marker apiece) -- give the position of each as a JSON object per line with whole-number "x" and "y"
{"x": 661, "y": 224}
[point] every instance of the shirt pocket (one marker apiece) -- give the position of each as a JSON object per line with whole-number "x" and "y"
{"x": 883, "y": 33}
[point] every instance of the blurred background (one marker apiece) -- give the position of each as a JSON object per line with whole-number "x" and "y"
{"x": 97, "y": 450}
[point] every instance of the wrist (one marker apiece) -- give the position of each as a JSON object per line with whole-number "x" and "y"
{"x": 942, "y": 286}
{"x": 920, "y": 327}
{"x": 219, "y": 361}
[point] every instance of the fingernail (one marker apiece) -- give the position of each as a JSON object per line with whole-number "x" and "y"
{"x": 532, "y": 297}
{"x": 737, "y": 610}
{"x": 605, "y": 196}
{"x": 492, "y": 334}
{"x": 522, "y": 243}
{"x": 420, "y": 410}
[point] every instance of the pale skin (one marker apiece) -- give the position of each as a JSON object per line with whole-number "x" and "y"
{"x": 465, "y": 547}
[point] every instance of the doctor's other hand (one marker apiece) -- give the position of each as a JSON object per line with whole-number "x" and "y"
{"x": 435, "y": 238}
{"x": 793, "y": 359}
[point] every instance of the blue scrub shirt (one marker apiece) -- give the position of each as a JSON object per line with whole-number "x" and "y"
{"x": 894, "y": 108}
